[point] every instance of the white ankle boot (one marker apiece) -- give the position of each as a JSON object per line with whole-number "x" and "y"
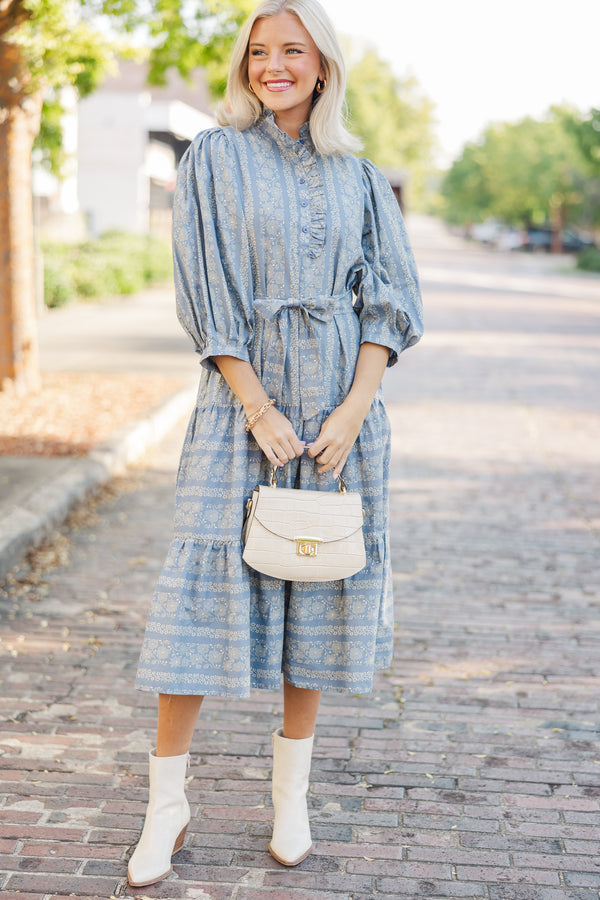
{"x": 166, "y": 821}
{"x": 291, "y": 842}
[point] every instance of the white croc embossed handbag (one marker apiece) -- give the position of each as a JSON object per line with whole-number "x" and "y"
{"x": 299, "y": 535}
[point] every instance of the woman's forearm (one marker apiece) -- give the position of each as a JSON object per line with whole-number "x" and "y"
{"x": 243, "y": 381}
{"x": 370, "y": 366}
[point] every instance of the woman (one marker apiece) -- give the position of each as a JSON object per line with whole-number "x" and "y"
{"x": 296, "y": 283}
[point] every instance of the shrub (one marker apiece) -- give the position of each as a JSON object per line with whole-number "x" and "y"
{"x": 150, "y": 256}
{"x": 91, "y": 273}
{"x": 158, "y": 262}
{"x": 115, "y": 263}
{"x": 589, "y": 260}
{"x": 58, "y": 286}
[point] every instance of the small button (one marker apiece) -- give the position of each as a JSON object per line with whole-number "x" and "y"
{"x": 304, "y": 203}
{"x": 305, "y": 229}
{"x": 302, "y": 181}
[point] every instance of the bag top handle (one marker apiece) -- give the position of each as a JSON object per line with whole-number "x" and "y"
{"x": 273, "y": 480}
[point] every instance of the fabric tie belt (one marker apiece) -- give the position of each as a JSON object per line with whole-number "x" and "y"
{"x": 292, "y": 368}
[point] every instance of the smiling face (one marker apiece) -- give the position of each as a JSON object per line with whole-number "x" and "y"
{"x": 284, "y": 65}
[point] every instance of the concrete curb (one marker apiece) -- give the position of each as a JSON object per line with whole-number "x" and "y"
{"x": 26, "y": 525}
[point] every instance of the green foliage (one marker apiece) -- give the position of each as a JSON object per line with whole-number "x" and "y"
{"x": 58, "y": 285}
{"x": 523, "y": 172}
{"x": 589, "y": 260}
{"x": 179, "y": 35}
{"x": 585, "y": 130}
{"x": 68, "y": 43}
{"x": 392, "y": 118}
{"x": 49, "y": 141}
{"x": 198, "y": 35}
{"x": 116, "y": 263}
{"x": 59, "y": 48}
{"x": 465, "y": 188}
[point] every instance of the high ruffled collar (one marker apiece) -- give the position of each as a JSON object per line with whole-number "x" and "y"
{"x": 267, "y": 121}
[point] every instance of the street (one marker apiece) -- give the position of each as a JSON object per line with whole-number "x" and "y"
{"x": 473, "y": 770}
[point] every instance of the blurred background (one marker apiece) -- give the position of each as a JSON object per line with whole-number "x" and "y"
{"x": 487, "y": 118}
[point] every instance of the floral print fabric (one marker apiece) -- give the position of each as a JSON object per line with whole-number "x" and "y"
{"x": 289, "y": 260}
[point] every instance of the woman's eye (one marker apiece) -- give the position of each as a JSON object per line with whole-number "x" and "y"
{"x": 289, "y": 50}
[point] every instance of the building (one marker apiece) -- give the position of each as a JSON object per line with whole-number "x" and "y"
{"x": 131, "y": 137}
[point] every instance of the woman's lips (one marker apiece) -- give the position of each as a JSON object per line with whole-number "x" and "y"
{"x": 278, "y": 85}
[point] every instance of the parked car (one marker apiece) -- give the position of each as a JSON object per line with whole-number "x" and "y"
{"x": 509, "y": 239}
{"x": 485, "y": 232}
{"x": 537, "y": 239}
{"x": 541, "y": 239}
{"x": 573, "y": 242}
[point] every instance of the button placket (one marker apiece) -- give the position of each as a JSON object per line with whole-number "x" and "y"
{"x": 311, "y": 194}
{"x": 305, "y": 213}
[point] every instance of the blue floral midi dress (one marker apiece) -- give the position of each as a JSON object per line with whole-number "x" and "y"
{"x": 289, "y": 260}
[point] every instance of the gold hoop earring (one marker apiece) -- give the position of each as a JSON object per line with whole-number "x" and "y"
{"x": 321, "y": 85}
{"x": 251, "y": 89}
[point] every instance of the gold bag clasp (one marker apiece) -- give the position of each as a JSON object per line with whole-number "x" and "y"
{"x": 307, "y": 546}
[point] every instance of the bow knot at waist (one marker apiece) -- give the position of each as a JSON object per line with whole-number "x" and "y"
{"x": 322, "y": 308}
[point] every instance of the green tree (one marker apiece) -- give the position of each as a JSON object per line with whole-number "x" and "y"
{"x": 393, "y": 119}
{"x": 585, "y": 131}
{"x": 524, "y": 172}
{"x": 48, "y": 44}
{"x": 465, "y": 187}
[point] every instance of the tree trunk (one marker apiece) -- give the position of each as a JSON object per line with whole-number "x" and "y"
{"x": 558, "y": 219}
{"x": 20, "y": 115}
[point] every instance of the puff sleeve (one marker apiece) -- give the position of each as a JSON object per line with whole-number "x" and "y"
{"x": 388, "y": 296}
{"x": 211, "y": 258}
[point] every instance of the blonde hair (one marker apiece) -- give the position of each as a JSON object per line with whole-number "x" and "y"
{"x": 327, "y": 120}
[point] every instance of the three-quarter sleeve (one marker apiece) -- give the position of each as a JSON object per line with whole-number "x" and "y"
{"x": 388, "y": 297}
{"x": 212, "y": 269}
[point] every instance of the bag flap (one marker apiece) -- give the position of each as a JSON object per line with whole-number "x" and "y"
{"x": 326, "y": 515}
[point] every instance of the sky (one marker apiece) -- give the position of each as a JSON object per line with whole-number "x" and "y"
{"x": 481, "y": 61}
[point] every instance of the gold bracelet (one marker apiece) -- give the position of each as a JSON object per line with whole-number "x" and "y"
{"x": 253, "y": 419}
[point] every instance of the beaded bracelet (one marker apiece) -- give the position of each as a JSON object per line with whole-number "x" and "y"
{"x": 253, "y": 419}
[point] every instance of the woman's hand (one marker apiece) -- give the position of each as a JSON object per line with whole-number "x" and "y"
{"x": 340, "y": 430}
{"x": 273, "y": 432}
{"x": 336, "y": 438}
{"x": 275, "y": 435}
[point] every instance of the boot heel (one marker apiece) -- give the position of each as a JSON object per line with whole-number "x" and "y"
{"x": 180, "y": 841}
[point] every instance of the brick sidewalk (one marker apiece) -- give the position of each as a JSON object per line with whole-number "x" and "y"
{"x": 474, "y": 769}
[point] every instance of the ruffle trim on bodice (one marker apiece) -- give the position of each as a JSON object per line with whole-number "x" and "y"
{"x": 304, "y": 149}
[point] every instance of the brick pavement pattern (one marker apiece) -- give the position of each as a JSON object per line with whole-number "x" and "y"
{"x": 473, "y": 771}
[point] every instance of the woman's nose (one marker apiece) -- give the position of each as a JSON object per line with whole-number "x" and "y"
{"x": 274, "y": 64}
